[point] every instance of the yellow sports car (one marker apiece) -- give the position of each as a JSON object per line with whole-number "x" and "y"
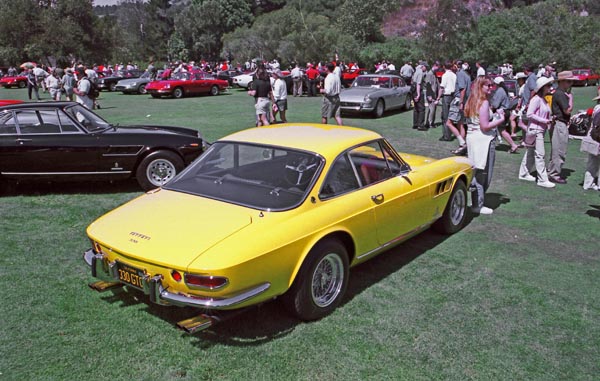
{"x": 280, "y": 211}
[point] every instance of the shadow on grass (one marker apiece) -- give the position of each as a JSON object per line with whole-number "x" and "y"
{"x": 39, "y": 188}
{"x": 366, "y": 115}
{"x": 269, "y": 321}
{"x": 594, "y": 212}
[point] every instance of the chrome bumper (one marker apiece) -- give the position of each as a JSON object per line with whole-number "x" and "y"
{"x": 152, "y": 286}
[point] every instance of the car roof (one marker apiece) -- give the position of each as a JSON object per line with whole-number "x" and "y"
{"x": 324, "y": 139}
{"x": 50, "y": 104}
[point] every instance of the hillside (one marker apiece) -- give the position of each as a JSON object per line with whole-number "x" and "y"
{"x": 412, "y": 17}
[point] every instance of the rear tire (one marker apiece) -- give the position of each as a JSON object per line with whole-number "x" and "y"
{"x": 321, "y": 282}
{"x": 455, "y": 213}
{"x": 112, "y": 87}
{"x": 142, "y": 89}
{"x": 214, "y": 90}
{"x": 157, "y": 169}
{"x": 407, "y": 102}
{"x": 22, "y": 85}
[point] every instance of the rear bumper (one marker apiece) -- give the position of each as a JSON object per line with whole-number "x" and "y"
{"x": 153, "y": 287}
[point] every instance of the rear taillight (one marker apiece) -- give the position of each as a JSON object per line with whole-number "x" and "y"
{"x": 206, "y": 281}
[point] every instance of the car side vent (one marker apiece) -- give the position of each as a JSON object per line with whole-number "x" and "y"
{"x": 443, "y": 187}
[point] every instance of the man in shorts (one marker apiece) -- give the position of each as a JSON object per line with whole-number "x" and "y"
{"x": 279, "y": 96}
{"x": 330, "y": 107}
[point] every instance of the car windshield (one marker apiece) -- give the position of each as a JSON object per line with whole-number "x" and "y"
{"x": 257, "y": 176}
{"x": 182, "y": 75}
{"x": 369, "y": 81}
{"x": 86, "y": 118}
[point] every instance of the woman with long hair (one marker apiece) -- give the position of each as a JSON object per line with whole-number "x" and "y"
{"x": 481, "y": 141}
{"x": 540, "y": 117}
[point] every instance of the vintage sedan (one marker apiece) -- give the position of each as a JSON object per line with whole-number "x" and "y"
{"x": 110, "y": 82}
{"x": 134, "y": 85}
{"x": 65, "y": 141}
{"x": 586, "y": 77}
{"x": 375, "y": 94}
{"x": 279, "y": 211}
{"x": 187, "y": 83}
{"x": 19, "y": 81}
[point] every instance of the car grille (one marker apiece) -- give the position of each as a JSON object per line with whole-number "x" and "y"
{"x": 350, "y": 104}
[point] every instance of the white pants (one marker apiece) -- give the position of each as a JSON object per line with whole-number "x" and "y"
{"x": 535, "y": 155}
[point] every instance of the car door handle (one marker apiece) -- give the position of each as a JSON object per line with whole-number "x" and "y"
{"x": 21, "y": 141}
{"x": 378, "y": 198}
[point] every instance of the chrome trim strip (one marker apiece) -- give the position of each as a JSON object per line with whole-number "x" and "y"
{"x": 61, "y": 173}
{"x": 395, "y": 241}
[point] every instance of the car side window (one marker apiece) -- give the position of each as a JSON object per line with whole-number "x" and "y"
{"x": 66, "y": 124}
{"x": 340, "y": 179}
{"x": 7, "y": 124}
{"x": 395, "y": 82}
{"x": 373, "y": 163}
{"x": 37, "y": 122}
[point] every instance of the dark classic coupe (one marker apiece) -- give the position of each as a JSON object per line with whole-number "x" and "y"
{"x": 66, "y": 141}
{"x": 110, "y": 83}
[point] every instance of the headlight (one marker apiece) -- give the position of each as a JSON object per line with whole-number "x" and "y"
{"x": 367, "y": 98}
{"x": 133, "y": 84}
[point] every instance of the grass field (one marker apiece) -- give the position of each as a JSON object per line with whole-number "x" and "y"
{"x": 513, "y": 296}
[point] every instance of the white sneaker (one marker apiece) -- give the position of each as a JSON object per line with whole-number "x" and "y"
{"x": 527, "y": 177}
{"x": 546, "y": 184}
{"x": 483, "y": 210}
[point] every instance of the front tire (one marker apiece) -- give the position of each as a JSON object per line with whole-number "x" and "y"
{"x": 321, "y": 282}
{"x": 22, "y": 85}
{"x": 142, "y": 89}
{"x": 178, "y": 93}
{"x": 214, "y": 90}
{"x": 455, "y": 213}
{"x": 157, "y": 169}
{"x": 379, "y": 109}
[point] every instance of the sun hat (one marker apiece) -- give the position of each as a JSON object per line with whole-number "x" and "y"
{"x": 520, "y": 75}
{"x": 541, "y": 82}
{"x": 566, "y": 76}
{"x": 498, "y": 80}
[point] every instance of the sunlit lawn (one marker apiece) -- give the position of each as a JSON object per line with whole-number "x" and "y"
{"x": 514, "y": 296}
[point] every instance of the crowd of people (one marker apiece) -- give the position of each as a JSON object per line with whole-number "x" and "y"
{"x": 471, "y": 113}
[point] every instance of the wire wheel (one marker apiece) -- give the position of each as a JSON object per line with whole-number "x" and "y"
{"x": 327, "y": 280}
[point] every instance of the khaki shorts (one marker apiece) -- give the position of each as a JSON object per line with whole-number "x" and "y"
{"x": 331, "y": 106}
{"x": 455, "y": 114}
{"x": 262, "y": 106}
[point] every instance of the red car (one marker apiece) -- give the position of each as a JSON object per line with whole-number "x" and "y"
{"x": 8, "y": 102}
{"x": 586, "y": 77}
{"x": 348, "y": 76}
{"x": 18, "y": 81}
{"x": 188, "y": 83}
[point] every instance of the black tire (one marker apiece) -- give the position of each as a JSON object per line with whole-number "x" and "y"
{"x": 379, "y": 108}
{"x": 22, "y": 85}
{"x": 324, "y": 271}
{"x": 157, "y": 169}
{"x": 455, "y": 213}
{"x": 178, "y": 93}
{"x": 251, "y": 85}
{"x": 112, "y": 87}
{"x": 214, "y": 90}
{"x": 142, "y": 89}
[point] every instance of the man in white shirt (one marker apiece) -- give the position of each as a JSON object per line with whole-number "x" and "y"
{"x": 480, "y": 69}
{"x": 297, "y": 80}
{"x": 446, "y": 94}
{"x": 83, "y": 89}
{"x": 331, "y": 99}
{"x": 279, "y": 96}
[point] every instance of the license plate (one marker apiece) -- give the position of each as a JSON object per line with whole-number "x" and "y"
{"x": 130, "y": 275}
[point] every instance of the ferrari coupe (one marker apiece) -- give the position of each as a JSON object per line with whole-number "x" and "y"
{"x": 279, "y": 211}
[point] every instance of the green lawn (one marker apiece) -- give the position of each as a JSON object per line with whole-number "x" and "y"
{"x": 513, "y": 296}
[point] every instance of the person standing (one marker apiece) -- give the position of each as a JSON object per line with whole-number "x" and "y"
{"x": 263, "y": 95}
{"x": 406, "y": 72}
{"x": 455, "y": 123}
{"x": 418, "y": 94}
{"x": 481, "y": 138}
{"x": 54, "y": 84}
{"x": 501, "y": 101}
{"x": 152, "y": 70}
{"x": 432, "y": 87}
{"x": 591, "y": 177}
{"x": 480, "y": 69}
{"x": 279, "y": 96}
{"x": 446, "y": 94}
{"x": 32, "y": 85}
{"x": 562, "y": 106}
{"x": 83, "y": 89}
{"x": 297, "y": 80}
{"x": 312, "y": 75}
{"x": 332, "y": 87}
{"x": 539, "y": 115}
{"x": 68, "y": 82}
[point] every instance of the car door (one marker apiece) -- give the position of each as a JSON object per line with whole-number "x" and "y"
{"x": 47, "y": 143}
{"x": 401, "y": 198}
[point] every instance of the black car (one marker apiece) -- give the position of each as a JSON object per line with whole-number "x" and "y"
{"x": 64, "y": 140}
{"x": 110, "y": 83}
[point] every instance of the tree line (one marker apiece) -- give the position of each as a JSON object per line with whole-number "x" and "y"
{"x": 58, "y": 32}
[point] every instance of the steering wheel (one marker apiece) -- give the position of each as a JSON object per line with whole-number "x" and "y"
{"x": 294, "y": 173}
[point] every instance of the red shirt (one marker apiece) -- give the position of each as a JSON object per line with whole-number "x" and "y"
{"x": 312, "y": 73}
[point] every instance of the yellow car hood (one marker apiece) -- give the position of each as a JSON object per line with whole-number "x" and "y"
{"x": 168, "y": 228}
